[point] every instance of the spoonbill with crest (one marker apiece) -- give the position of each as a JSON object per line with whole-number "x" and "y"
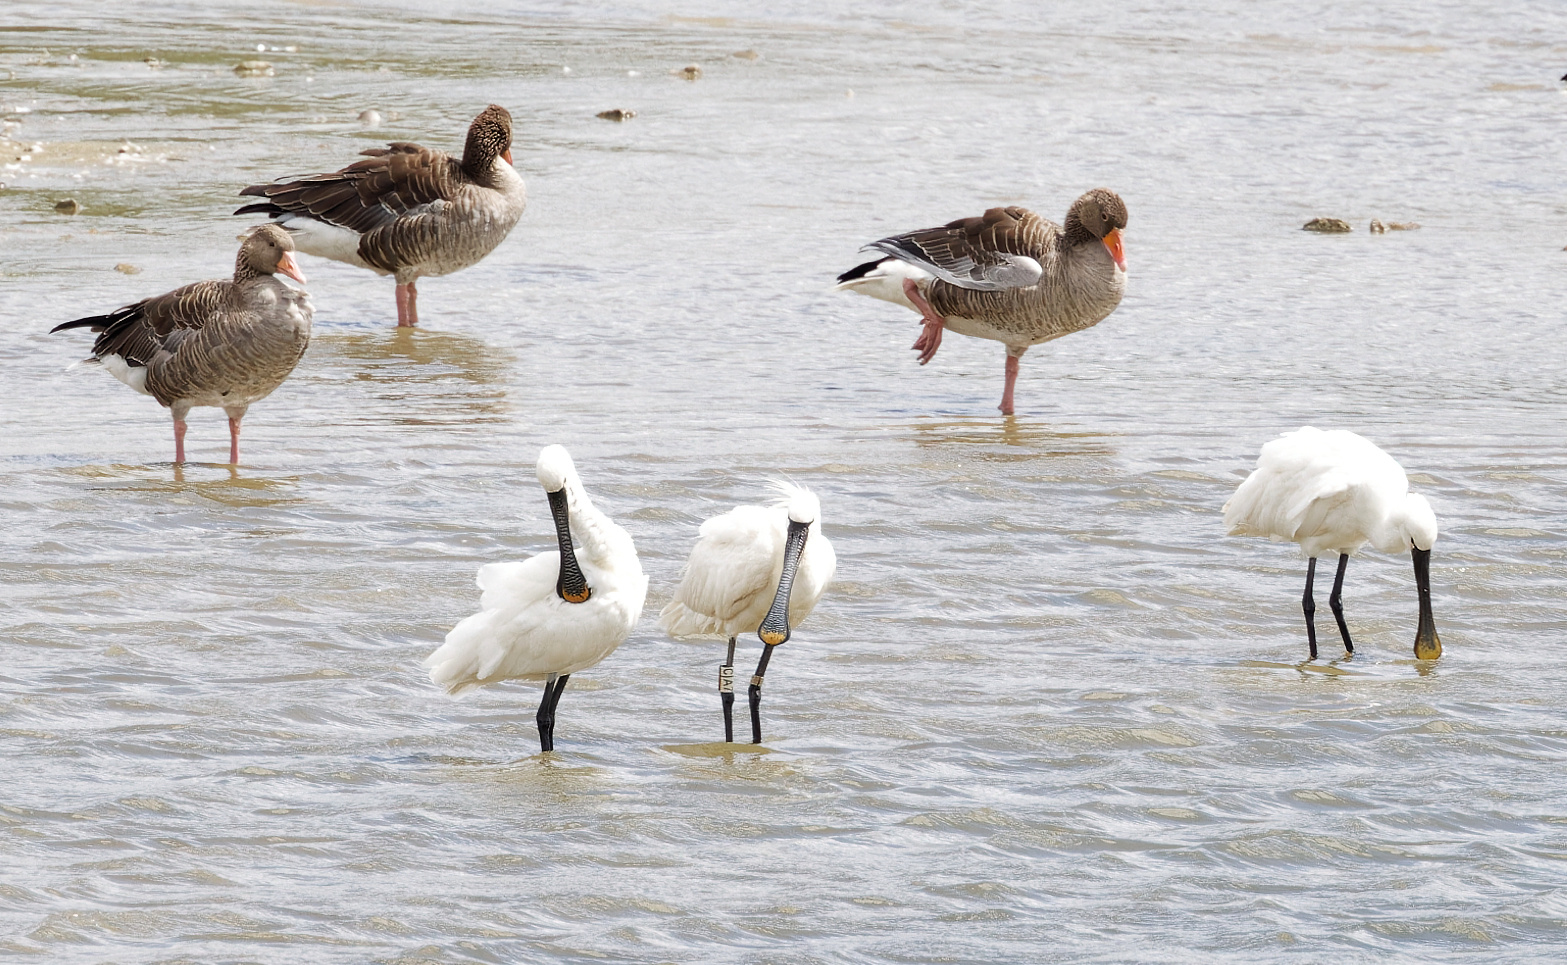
{"x": 547, "y": 617}
{"x": 754, "y": 567}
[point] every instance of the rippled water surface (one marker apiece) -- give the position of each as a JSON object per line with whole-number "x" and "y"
{"x": 1048, "y": 712}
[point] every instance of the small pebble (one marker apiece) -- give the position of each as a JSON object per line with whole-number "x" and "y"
{"x": 1403, "y": 226}
{"x": 688, "y": 72}
{"x": 254, "y": 68}
{"x": 617, "y": 114}
{"x": 370, "y": 118}
{"x": 127, "y": 269}
{"x": 1327, "y": 225}
{"x": 746, "y": 54}
{"x": 155, "y": 63}
{"x": 68, "y": 206}
{"x": 1377, "y": 227}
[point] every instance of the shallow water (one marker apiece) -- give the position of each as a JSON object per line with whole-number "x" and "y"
{"x": 1048, "y": 712}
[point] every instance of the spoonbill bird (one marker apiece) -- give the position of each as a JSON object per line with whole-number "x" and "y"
{"x": 408, "y": 211}
{"x": 761, "y": 567}
{"x": 1337, "y": 491}
{"x": 551, "y": 615}
{"x": 220, "y": 343}
{"x": 1007, "y": 275}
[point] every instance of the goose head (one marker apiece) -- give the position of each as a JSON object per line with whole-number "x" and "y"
{"x": 489, "y": 137}
{"x": 268, "y": 250}
{"x": 1099, "y": 215}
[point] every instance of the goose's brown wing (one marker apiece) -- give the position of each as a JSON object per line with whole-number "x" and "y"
{"x": 138, "y": 333}
{"x": 366, "y": 195}
{"x": 998, "y": 250}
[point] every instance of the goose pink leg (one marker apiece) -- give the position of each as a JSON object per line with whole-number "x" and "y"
{"x": 930, "y": 339}
{"x": 233, "y": 442}
{"x": 407, "y": 306}
{"x": 179, "y": 441}
{"x": 1006, "y": 393}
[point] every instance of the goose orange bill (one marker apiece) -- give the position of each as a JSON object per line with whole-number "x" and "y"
{"x": 1112, "y": 243}
{"x": 507, "y": 155}
{"x": 287, "y": 266}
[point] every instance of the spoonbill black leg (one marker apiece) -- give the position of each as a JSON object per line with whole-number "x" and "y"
{"x": 726, "y": 692}
{"x": 756, "y": 695}
{"x": 1309, "y": 605}
{"x": 553, "y": 687}
{"x": 1338, "y": 608}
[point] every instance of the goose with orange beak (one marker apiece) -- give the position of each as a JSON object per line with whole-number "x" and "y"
{"x": 406, "y": 211}
{"x": 1008, "y": 275}
{"x": 213, "y": 343}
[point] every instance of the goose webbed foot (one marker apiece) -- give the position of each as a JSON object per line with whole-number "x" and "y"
{"x": 930, "y": 336}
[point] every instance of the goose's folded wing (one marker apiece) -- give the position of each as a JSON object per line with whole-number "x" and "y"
{"x": 368, "y": 194}
{"x": 138, "y": 333}
{"x": 993, "y": 252}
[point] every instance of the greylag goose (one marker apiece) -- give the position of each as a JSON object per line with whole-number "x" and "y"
{"x": 551, "y": 615}
{"x": 407, "y": 211}
{"x": 755, "y": 569}
{"x": 1337, "y": 491}
{"x": 219, "y": 343}
{"x": 1008, "y": 275}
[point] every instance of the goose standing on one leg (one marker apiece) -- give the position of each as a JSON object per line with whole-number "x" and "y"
{"x": 219, "y": 343}
{"x": 551, "y": 615}
{"x": 1336, "y": 491}
{"x": 407, "y": 211}
{"x": 1008, "y": 275}
{"x": 754, "y": 567}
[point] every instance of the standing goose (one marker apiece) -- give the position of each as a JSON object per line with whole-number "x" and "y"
{"x": 1008, "y": 275}
{"x": 756, "y": 568}
{"x": 553, "y": 614}
{"x": 407, "y": 211}
{"x": 219, "y": 343}
{"x": 1337, "y": 491}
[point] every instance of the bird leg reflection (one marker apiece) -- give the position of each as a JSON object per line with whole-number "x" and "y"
{"x": 726, "y": 692}
{"x": 1309, "y": 605}
{"x": 1338, "y": 608}
{"x": 553, "y": 687}
{"x": 756, "y": 695}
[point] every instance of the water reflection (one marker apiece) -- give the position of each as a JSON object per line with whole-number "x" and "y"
{"x": 425, "y": 377}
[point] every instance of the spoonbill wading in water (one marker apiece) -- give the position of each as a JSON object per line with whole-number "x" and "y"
{"x": 553, "y": 614}
{"x": 761, "y": 567}
{"x": 407, "y": 211}
{"x": 1336, "y": 491}
{"x": 219, "y": 343}
{"x": 1007, "y": 275}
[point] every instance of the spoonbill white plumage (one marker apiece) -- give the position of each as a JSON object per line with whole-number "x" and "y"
{"x": 1337, "y": 491}
{"x": 551, "y": 615}
{"x": 754, "y": 567}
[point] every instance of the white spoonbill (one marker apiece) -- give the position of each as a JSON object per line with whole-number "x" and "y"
{"x": 1337, "y": 491}
{"x": 553, "y": 614}
{"x": 754, "y": 567}
{"x": 1007, "y": 275}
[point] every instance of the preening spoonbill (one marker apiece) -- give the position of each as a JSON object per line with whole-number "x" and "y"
{"x": 407, "y": 211}
{"x": 1008, "y": 275}
{"x": 1336, "y": 491}
{"x": 553, "y": 614}
{"x": 219, "y": 343}
{"x": 756, "y": 568}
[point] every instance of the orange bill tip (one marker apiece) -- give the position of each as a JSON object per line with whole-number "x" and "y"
{"x": 1112, "y": 243}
